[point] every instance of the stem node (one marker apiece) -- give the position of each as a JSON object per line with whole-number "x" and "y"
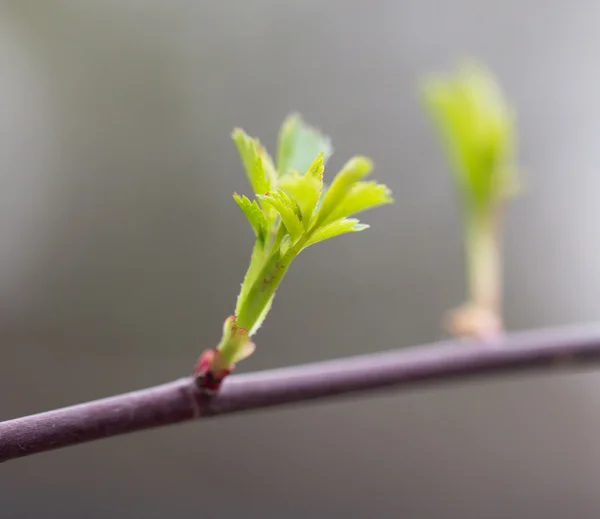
{"x": 207, "y": 374}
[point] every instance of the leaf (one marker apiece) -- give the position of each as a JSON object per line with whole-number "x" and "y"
{"x": 263, "y": 315}
{"x": 254, "y": 306}
{"x": 288, "y": 209}
{"x": 289, "y": 199}
{"x": 285, "y": 245}
{"x": 317, "y": 168}
{"x": 267, "y": 162}
{"x": 254, "y": 159}
{"x": 299, "y": 144}
{"x": 256, "y": 263}
{"x": 255, "y": 216}
{"x": 336, "y": 228}
{"x": 305, "y": 189}
{"x": 478, "y": 131}
{"x": 243, "y": 352}
{"x": 353, "y": 171}
{"x": 360, "y": 197}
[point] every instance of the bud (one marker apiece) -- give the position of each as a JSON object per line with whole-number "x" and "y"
{"x": 215, "y": 364}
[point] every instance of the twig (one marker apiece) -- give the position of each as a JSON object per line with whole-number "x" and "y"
{"x": 181, "y": 400}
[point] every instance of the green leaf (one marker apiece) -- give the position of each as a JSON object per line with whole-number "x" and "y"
{"x": 288, "y": 209}
{"x": 336, "y": 228}
{"x": 360, "y": 197}
{"x": 253, "y": 307}
{"x": 289, "y": 201}
{"x": 254, "y": 159}
{"x": 317, "y": 168}
{"x": 353, "y": 171}
{"x": 286, "y": 244}
{"x": 267, "y": 163}
{"x": 299, "y": 144}
{"x": 262, "y": 316}
{"x": 477, "y": 127}
{"x": 255, "y": 216}
{"x": 256, "y": 263}
{"x": 305, "y": 189}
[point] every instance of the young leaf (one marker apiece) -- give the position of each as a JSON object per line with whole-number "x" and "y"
{"x": 478, "y": 130}
{"x": 256, "y": 264}
{"x": 336, "y": 228}
{"x": 252, "y": 310}
{"x": 360, "y": 197}
{"x": 299, "y": 144}
{"x": 267, "y": 163}
{"x": 353, "y": 171}
{"x": 255, "y": 216}
{"x": 317, "y": 168}
{"x": 291, "y": 200}
{"x": 305, "y": 189}
{"x": 253, "y": 160}
{"x": 288, "y": 209}
{"x": 262, "y": 316}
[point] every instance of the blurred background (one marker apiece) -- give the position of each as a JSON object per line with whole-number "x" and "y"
{"x": 121, "y": 252}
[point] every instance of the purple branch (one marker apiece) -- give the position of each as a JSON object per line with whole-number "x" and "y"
{"x": 181, "y": 400}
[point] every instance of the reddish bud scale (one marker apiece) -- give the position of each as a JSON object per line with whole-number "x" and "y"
{"x": 207, "y": 378}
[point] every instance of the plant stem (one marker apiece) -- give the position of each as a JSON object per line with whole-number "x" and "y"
{"x": 484, "y": 270}
{"x": 181, "y": 400}
{"x": 262, "y": 291}
{"x": 258, "y": 299}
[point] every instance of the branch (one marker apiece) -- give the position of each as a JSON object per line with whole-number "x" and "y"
{"x": 181, "y": 400}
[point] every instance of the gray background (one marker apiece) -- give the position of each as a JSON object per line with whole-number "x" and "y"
{"x": 121, "y": 252}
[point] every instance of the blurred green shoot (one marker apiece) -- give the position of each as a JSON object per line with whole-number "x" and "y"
{"x": 292, "y": 210}
{"x": 477, "y": 127}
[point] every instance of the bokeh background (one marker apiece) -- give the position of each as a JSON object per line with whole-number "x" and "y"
{"x": 121, "y": 252}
